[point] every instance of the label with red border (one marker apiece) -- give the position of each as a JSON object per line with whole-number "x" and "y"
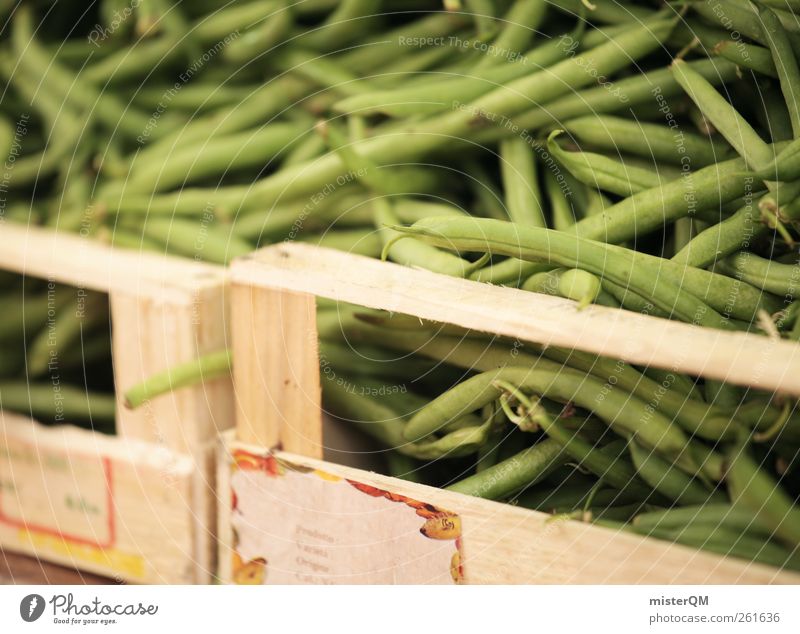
{"x": 295, "y": 525}
{"x": 53, "y": 493}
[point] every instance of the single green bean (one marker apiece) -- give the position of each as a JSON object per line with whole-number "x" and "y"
{"x": 781, "y": 279}
{"x": 648, "y": 140}
{"x": 750, "y": 56}
{"x": 56, "y": 403}
{"x": 736, "y": 130}
{"x": 785, "y": 62}
{"x": 601, "y": 172}
{"x": 414, "y": 252}
{"x": 755, "y": 491}
{"x": 366, "y": 242}
{"x": 208, "y": 367}
{"x": 519, "y": 26}
{"x": 709, "y": 515}
{"x": 192, "y": 239}
{"x": 666, "y": 479}
{"x": 520, "y": 183}
{"x": 261, "y": 38}
{"x": 522, "y": 470}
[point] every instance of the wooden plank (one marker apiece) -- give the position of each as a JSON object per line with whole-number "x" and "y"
{"x": 84, "y": 262}
{"x": 276, "y": 369}
{"x": 120, "y": 508}
{"x": 735, "y": 357}
{"x": 503, "y": 544}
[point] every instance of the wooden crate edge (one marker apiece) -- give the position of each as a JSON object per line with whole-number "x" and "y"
{"x": 125, "y": 476}
{"x": 505, "y": 544}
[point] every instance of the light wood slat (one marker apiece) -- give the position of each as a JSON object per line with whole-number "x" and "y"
{"x": 84, "y": 262}
{"x": 740, "y": 358}
{"x": 276, "y": 369}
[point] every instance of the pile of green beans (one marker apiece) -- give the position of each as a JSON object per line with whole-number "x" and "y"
{"x": 55, "y": 353}
{"x": 608, "y": 153}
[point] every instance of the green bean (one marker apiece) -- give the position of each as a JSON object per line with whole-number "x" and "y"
{"x": 169, "y": 21}
{"x": 729, "y": 543}
{"x": 673, "y": 483}
{"x": 708, "y": 515}
{"x": 612, "y": 471}
{"x": 781, "y": 279}
{"x": 343, "y": 25}
{"x": 626, "y": 93}
{"x": 25, "y": 313}
{"x": 566, "y": 494}
{"x": 733, "y": 233}
{"x": 56, "y": 402}
{"x": 197, "y": 240}
{"x": 68, "y": 327}
{"x": 754, "y": 491}
{"x": 403, "y": 467}
{"x": 311, "y": 147}
{"x": 221, "y": 155}
{"x": 509, "y": 272}
{"x": 520, "y": 183}
{"x": 205, "y": 368}
{"x": 739, "y": 19}
{"x": 261, "y": 38}
{"x": 648, "y": 140}
{"x": 736, "y": 130}
{"x": 322, "y": 72}
{"x": 262, "y": 104}
{"x": 775, "y": 114}
{"x": 193, "y": 97}
{"x": 74, "y": 90}
{"x": 573, "y": 284}
{"x": 785, "y": 63}
{"x": 750, "y": 56}
{"x": 679, "y": 382}
{"x": 622, "y": 413}
{"x": 385, "y": 425}
{"x": 519, "y": 26}
{"x": 450, "y": 87}
{"x": 599, "y": 171}
{"x": 694, "y": 416}
{"x": 647, "y": 210}
{"x": 366, "y": 242}
{"x": 339, "y": 208}
{"x": 397, "y": 179}
{"x": 505, "y": 101}
{"x": 487, "y": 195}
{"x": 410, "y": 209}
{"x": 517, "y": 472}
{"x": 544, "y": 245}
{"x": 561, "y": 206}
{"x": 414, "y": 252}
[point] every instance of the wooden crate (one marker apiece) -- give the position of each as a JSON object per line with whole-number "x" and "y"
{"x": 288, "y": 516}
{"x": 139, "y": 506}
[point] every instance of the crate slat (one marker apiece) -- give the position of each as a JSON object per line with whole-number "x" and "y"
{"x": 120, "y": 508}
{"x": 734, "y": 357}
{"x": 504, "y": 544}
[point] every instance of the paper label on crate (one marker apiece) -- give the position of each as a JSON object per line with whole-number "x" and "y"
{"x": 47, "y": 492}
{"x": 293, "y": 525}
